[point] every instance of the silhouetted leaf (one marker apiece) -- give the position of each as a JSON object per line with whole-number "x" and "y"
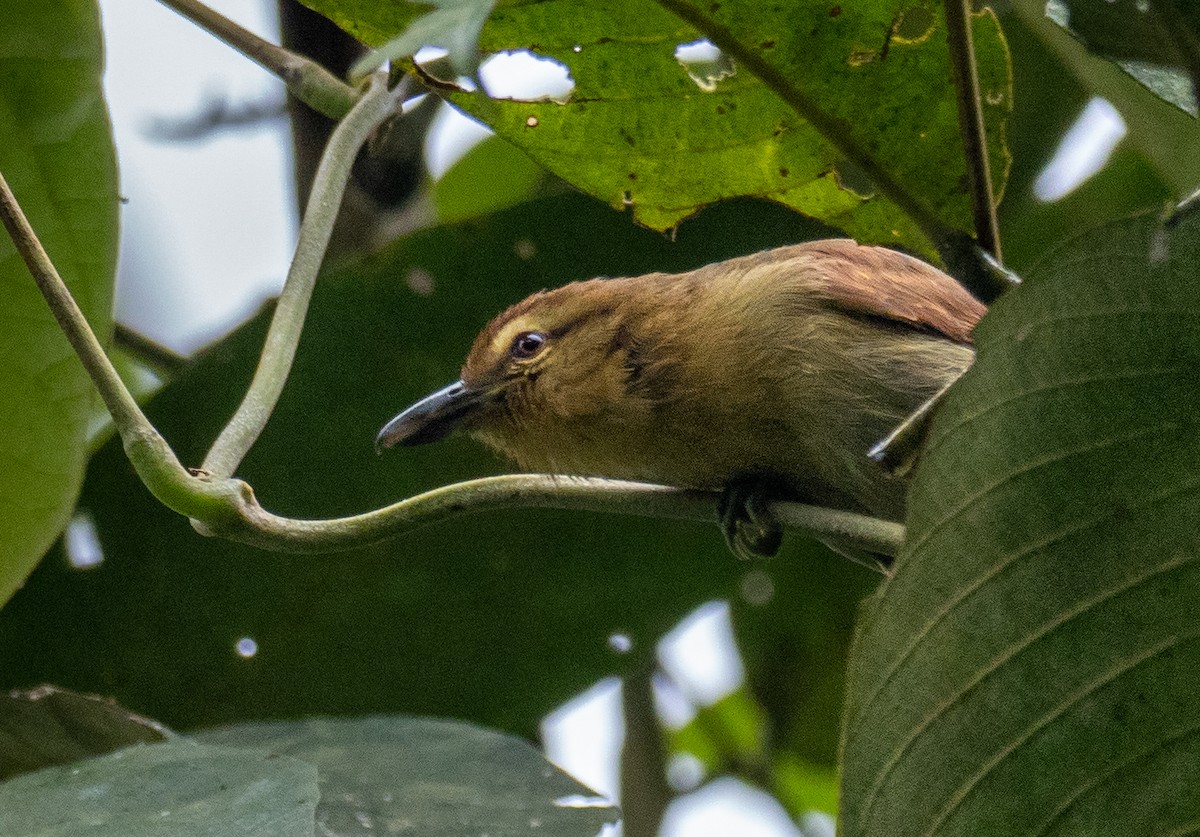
{"x": 1138, "y": 38}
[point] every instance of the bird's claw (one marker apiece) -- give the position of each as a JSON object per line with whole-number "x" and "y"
{"x": 751, "y": 531}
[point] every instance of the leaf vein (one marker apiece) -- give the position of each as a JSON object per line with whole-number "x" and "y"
{"x": 1103, "y": 378}
{"x": 1113, "y": 674}
{"x": 953, "y": 602}
{"x": 1141, "y": 755}
{"x": 1009, "y": 654}
{"x": 1026, "y": 468}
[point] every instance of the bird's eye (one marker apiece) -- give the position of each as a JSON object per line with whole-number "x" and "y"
{"x": 527, "y": 344}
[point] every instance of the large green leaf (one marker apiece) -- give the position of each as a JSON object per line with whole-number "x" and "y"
{"x": 426, "y": 776}
{"x": 644, "y": 130}
{"x": 1034, "y": 665}
{"x": 495, "y": 617}
{"x": 56, "y": 153}
{"x": 174, "y": 787}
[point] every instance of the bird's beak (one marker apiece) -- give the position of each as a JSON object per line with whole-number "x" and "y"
{"x": 431, "y": 418}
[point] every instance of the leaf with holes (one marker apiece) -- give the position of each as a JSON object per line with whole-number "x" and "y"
{"x": 56, "y": 153}
{"x": 1034, "y": 665}
{"x": 661, "y": 124}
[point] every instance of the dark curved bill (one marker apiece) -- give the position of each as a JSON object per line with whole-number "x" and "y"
{"x": 430, "y": 419}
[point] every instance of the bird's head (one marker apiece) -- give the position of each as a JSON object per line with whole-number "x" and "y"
{"x": 545, "y": 362}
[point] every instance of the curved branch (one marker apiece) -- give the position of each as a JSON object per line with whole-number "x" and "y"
{"x": 307, "y": 80}
{"x": 329, "y": 184}
{"x": 247, "y": 522}
{"x": 227, "y": 507}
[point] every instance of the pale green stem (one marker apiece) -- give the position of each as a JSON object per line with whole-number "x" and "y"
{"x": 329, "y": 184}
{"x": 254, "y": 525}
{"x": 307, "y": 80}
{"x": 147, "y": 450}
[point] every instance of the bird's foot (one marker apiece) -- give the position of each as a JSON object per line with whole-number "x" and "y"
{"x": 751, "y": 531}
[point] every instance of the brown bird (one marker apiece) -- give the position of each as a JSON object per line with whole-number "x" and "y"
{"x": 780, "y": 368}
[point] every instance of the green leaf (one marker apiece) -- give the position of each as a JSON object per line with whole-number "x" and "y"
{"x": 729, "y": 735}
{"x": 47, "y": 726}
{"x": 429, "y": 777}
{"x": 1047, "y": 101}
{"x": 1137, "y": 37}
{"x": 1033, "y": 667}
{"x": 175, "y": 787}
{"x": 56, "y": 154}
{"x": 664, "y": 137}
{"x": 491, "y": 176}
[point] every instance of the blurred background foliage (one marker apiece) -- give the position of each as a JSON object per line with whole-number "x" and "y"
{"x": 498, "y": 618}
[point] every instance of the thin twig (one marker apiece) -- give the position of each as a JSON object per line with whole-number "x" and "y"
{"x": 120, "y": 403}
{"x": 971, "y": 124}
{"x": 898, "y": 452}
{"x": 156, "y": 357}
{"x": 645, "y": 793}
{"x": 307, "y": 80}
{"x": 329, "y": 185}
{"x": 835, "y": 130}
{"x": 248, "y": 522}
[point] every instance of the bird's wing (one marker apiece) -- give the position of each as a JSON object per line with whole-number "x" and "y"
{"x": 914, "y": 294}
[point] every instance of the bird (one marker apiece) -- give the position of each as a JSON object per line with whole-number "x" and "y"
{"x": 775, "y": 370}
